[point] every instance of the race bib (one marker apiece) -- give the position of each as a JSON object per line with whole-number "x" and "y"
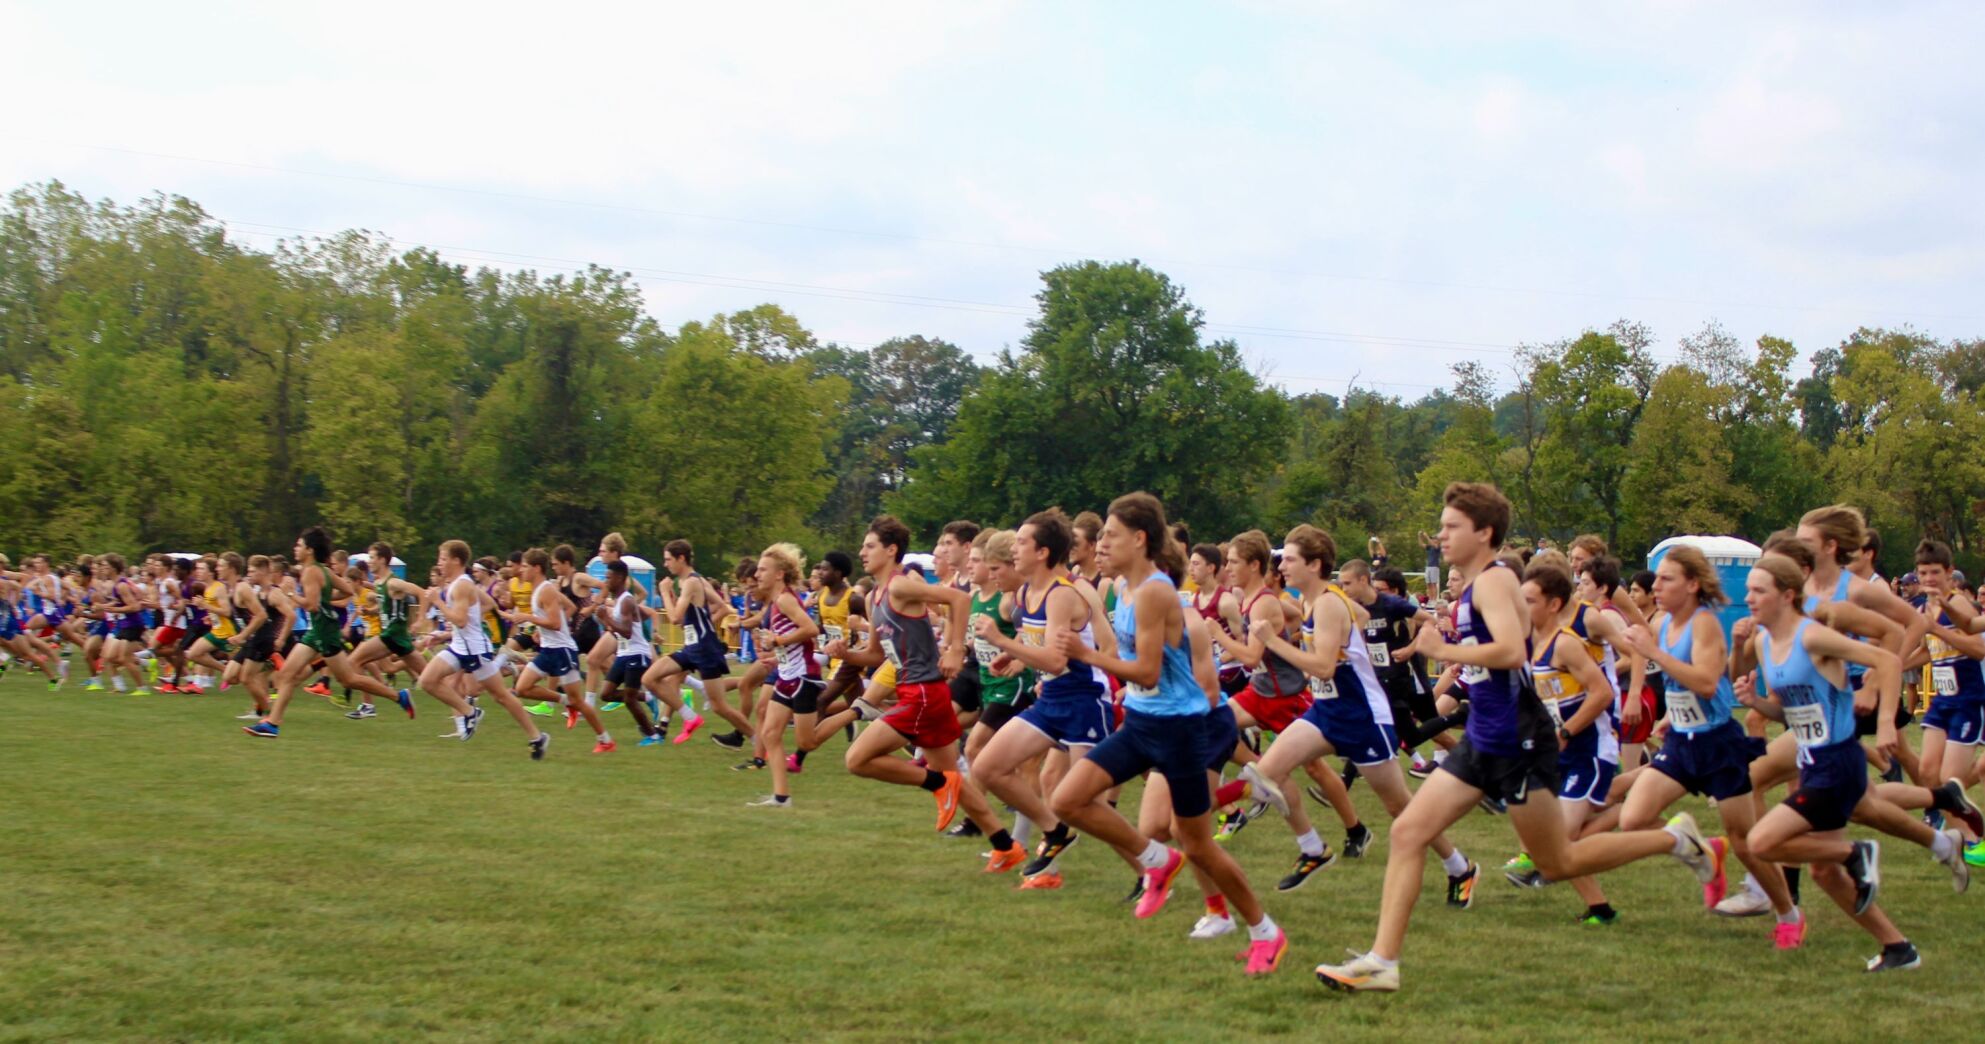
{"x": 1323, "y": 688}
{"x": 1944, "y": 679}
{"x": 690, "y": 635}
{"x": 1806, "y": 721}
{"x": 986, "y": 652}
{"x": 889, "y": 652}
{"x": 1685, "y": 711}
{"x": 830, "y": 634}
{"x": 622, "y": 646}
{"x": 1380, "y": 654}
{"x": 1473, "y": 674}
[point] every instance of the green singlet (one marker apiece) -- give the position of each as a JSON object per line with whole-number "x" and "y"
{"x": 992, "y": 687}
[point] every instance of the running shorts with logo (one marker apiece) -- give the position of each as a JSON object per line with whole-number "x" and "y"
{"x": 1274, "y": 713}
{"x": 1072, "y": 722}
{"x": 923, "y": 714}
{"x": 478, "y": 666}
{"x": 799, "y": 695}
{"x": 1358, "y": 737}
{"x": 559, "y": 665}
{"x": 705, "y": 657}
{"x": 1582, "y": 774}
{"x": 1961, "y": 720}
{"x": 323, "y": 635}
{"x": 1831, "y": 783}
{"x": 396, "y": 639}
{"x": 1715, "y": 762}
{"x": 1512, "y": 778}
{"x": 627, "y": 670}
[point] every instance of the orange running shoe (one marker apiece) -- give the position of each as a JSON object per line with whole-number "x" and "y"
{"x": 1048, "y": 881}
{"x": 320, "y": 689}
{"x": 947, "y": 799}
{"x": 1000, "y": 862}
{"x": 604, "y": 747}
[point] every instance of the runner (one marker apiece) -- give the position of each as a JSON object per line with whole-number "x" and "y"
{"x": 319, "y": 583}
{"x": 549, "y": 614}
{"x": 923, "y": 713}
{"x": 1349, "y": 713}
{"x": 1166, "y": 732}
{"x": 696, "y": 609}
{"x": 786, "y": 641}
{"x": 1954, "y": 724}
{"x": 1803, "y": 664}
{"x": 261, "y": 615}
{"x": 1836, "y": 535}
{"x": 1071, "y": 708}
{"x": 627, "y": 622}
{"x": 1509, "y": 750}
{"x": 470, "y": 653}
{"x": 396, "y": 602}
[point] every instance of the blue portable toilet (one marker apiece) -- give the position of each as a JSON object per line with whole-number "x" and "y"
{"x": 399, "y": 564}
{"x": 639, "y": 570}
{"x": 1731, "y": 557}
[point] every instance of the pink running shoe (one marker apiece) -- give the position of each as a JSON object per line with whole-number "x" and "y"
{"x": 1789, "y": 936}
{"x": 688, "y": 729}
{"x": 1266, "y": 956}
{"x": 793, "y": 763}
{"x": 1718, "y": 885}
{"x": 1158, "y": 884}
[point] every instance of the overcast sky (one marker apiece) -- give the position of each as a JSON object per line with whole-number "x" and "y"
{"x": 1377, "y": 190}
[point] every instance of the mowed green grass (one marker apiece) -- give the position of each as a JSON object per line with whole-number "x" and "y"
{"x": 166, "y": 877}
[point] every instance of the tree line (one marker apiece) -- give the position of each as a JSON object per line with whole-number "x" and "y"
{"x": 170, "y": 388}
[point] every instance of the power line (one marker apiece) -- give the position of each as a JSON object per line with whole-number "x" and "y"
{"x": 991, "y": 245}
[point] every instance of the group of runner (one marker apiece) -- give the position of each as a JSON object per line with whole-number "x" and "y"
{"x": 1028, "y": 674}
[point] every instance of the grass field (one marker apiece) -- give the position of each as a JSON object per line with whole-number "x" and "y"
{"x": 166, "y": 877}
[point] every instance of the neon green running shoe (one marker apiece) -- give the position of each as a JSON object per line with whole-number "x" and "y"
{"x": 93, "y": 686}
{"x": 1974, "y": 853}
{"x": 610, "y": 707}
{"x": 541, "y": 709}
{"x": 1520, "y": 870}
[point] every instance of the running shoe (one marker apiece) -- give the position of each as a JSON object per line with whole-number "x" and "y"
{"x": 609, "y": 708}
{"x": 650, "y": 741}
{"x": 1306, "y": 865}
{"x": 1900, "y": 957}
{"x": 141, "y": 691}
{"x": 965, "y": 828}
{"x": 93, "y": 685}
{"x": 1422, "y": 769}
{"x": 864, "y": 710}
{"x": 1717, "y": 887}
{"x": 1697, "y": 854}
{"x": 1461, "y": 887}
{"x": 794, "y": 765}
{"x": 1349, "y": 774}
{"x": 250, "y": 716}
{"x": 605, "y": 747}
{"x": 689, "y": 728}
{"x": 1211, "y": 926}
{"x": 1265, "y": 955}
{"x": 261, "y": 730}
{"x": 1960, "y": 871}
{"x": 1263, "y": 789}
{"x": 362, "y": 712}
{"x": 1748, "y": 901}
{"x": 1788, "y": 936}
{"x": 1040, "y": 882}
{"x": 1596, "y": 917}
{"x": 1000, "y": 862}
{"x": 1934, "y": 819}
{"x": 188, "y": 689}
{"x": 571, "y": 717}
{"x": 1356, "y": 840}
{"x": 54, "y": 685}
{"x": 734, "y": 739}
{"x": 1315, "y": 793}
{"x": 319, "y": 689}
{"x": 470, "y": 723}
{"x": 1233, "y": 823}
{"x": 1974, "y": 853}
{"x": 1864, "y": 866}
{"x": 770, "y": 801}
{"x": 406, "y": 701}
{"x": 541, "y": 709}
{"x": 1049, "y": 850}
{"x": 169, "y": 689}
{"x": 1158, "y": 884}
{"x": 1893, "y": 773}
{"x": 1518, "y": 870}
{"x": 1361, "y": 974}
{"x": 947, "y": 799}
{"x": 1493, "y": 806}
{"x": 539, "y": 746}
{"x": 1964, "y": 808}
{"x": 1136, "y": 890}
{"x": 748, "y": 764}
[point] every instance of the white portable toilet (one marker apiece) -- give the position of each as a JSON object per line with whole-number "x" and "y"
{"x": 1731, "y": 557}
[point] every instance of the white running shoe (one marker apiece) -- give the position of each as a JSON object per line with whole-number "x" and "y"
{"x": 769, "y": 801}
{"x": 250, "y": 716}
{"x": 1361, "y": 973}
{"x": 1960, "y": 870}
{"x": 1263, "y": 789}
{"x": 1748, "y": 901}
{"x": 1211, "y": 926}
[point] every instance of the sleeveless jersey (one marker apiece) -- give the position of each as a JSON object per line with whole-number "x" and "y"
{"x": 393, "y": 611}
{"x": 1954, "y": 677}
{"x": 522, "y": 594}
{"x": 472, "y": 638}
{"x": 1274, "y": 676}
{"x": 1177, "y": 693}
{"x": 796, "y": 659}
{"x": 1686, "y": 712}
{"x": 638, "y": 641}
{"x": 992, "y": 687}
{"x": 833, "y": 616}
{"x": 1817, "y": 712}
{"x": 1351, "y": 695}
{"x": 696, "y": 625}
{"x": 548, "y": 637}
{"x": 1494, "y": 693}
{"x": 1080, "y": 681}
{"x": 907, "y": 642}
